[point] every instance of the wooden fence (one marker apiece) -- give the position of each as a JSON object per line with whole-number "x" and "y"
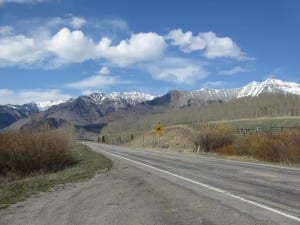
{"x": 262, "y": 131}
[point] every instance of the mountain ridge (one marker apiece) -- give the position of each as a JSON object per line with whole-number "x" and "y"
{"x": 102, "y": 108}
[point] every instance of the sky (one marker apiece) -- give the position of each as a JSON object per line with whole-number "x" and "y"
{"x": 60, "y": 49}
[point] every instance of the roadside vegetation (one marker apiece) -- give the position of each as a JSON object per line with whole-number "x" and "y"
{"x": 281, "y": 148}
{"x": 32, "y": 162}
{"x": 26, "y": 152}
{"x": 250, "y": 112}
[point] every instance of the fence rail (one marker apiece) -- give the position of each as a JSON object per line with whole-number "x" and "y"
{"x": 261, "y": 131}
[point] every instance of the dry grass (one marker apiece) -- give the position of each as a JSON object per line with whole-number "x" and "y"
{"x": 281, "y": 148}
{"x": 26, "y": 152}
{"x": 177, "y": 138}
{"x": 210, "y": 139}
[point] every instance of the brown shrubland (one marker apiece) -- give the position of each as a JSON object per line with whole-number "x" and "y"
{"x": 282, "y": 147}
{"x": 27, "y": 152}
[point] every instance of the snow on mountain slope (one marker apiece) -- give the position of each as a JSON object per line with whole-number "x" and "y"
{"x": 269, "y": 86}
{"x": 42, "y": 106}
{"x": 252, "y": 89}
{"x": 131, "y": 98}
{"x": 222, "y": 94}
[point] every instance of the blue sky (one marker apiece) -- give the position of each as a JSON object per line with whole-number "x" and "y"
{"x": 57, "y": 49}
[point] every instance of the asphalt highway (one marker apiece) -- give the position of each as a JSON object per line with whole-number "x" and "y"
{"x": 263, "y": 191}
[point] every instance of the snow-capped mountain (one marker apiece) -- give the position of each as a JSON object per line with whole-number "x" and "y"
{"x": 269, "y": 86}
{"x": 11, "y": 113}
{"x": 252, "y": 89}
{"x": 131, "y": 98}
{"x": 97, "y": 107}
{"x": 43, "y": 106}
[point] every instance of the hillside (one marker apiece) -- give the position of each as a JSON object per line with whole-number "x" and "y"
{"x": 95, "y": 111}
{"x": 265, "y": 105}
{"x": 12, "y": 113}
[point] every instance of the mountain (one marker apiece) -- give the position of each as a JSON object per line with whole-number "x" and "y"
{"x": 86, "y": 110}
{"x": 43, "y": 106}
{"x": 206, "y": 96}
{"x": 252, "y": 89}
{"x": 11, "y": 113}
{"x": 269, "y": 86}
{"x": 97, "y": 109}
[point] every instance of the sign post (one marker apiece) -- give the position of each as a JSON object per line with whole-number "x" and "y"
{"x": 158, "y": 131}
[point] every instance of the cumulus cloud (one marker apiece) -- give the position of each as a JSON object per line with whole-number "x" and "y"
{"x": 186, "y": 41}
{"x": 138, "y": 48}
{"x": 24, "y": 96}
{"x": 213, "y": 46}
{"x": 71, "y": 46}
{"x": 177, "y": 70}
{"x": 234, "y": 70}
{"x": 221, "y": 47}
{"x": 20, "y": 49}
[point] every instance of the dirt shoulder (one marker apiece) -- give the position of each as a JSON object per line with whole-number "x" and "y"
{"x": 123, "y": 195}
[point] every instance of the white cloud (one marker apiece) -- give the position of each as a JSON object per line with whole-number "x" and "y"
{"x": 67, "y": 46}
{"x": 213, "y": 46}
{"x": 177, "y": 70}
{"x": 20, "y": 49}
{"x": 96, "y": 81}
{"x": 139, "y": 48}
{"x": 2, "y": 2}
{"x": 77, "y": 22}
{"x": 71, "y": 46}
{"x": 234, "y": 70}
{"x": 186, "y": 41}
{"x": 26, "y": 96}
{"x": 218, "y": 47}
{"x": 103, "y": 71}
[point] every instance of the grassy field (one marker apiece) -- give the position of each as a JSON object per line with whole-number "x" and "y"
{"x": 264, "y": 122}
{"x": 87, "y": 163}
{"x": 177, "y": 138}
{"x": 222, "y": 140}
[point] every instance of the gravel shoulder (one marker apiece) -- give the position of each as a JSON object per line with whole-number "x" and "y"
{"x": 123, "y": 195}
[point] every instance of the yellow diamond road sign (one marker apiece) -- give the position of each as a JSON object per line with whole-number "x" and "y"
{"x": 158, "y": 129}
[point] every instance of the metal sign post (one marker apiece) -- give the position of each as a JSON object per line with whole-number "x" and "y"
{"x": 158, "y": 131}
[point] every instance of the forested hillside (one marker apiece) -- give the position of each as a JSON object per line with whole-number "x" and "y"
{"x": 267, "y": 105}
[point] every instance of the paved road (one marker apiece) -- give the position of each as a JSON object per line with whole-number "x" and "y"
{"x": 156, "y": 188}
{"x": 266, "y": 192}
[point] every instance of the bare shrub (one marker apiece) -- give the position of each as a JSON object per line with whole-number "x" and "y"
{"x": 29, "y": 151}
{"x": 213, "y": 138}
{"x": 283, "y": 148}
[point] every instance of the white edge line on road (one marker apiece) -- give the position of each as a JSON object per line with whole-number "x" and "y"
{"x": 209, "y": 187}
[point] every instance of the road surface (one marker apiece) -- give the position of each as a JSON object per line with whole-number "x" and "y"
{"x": 148, "y": 187}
